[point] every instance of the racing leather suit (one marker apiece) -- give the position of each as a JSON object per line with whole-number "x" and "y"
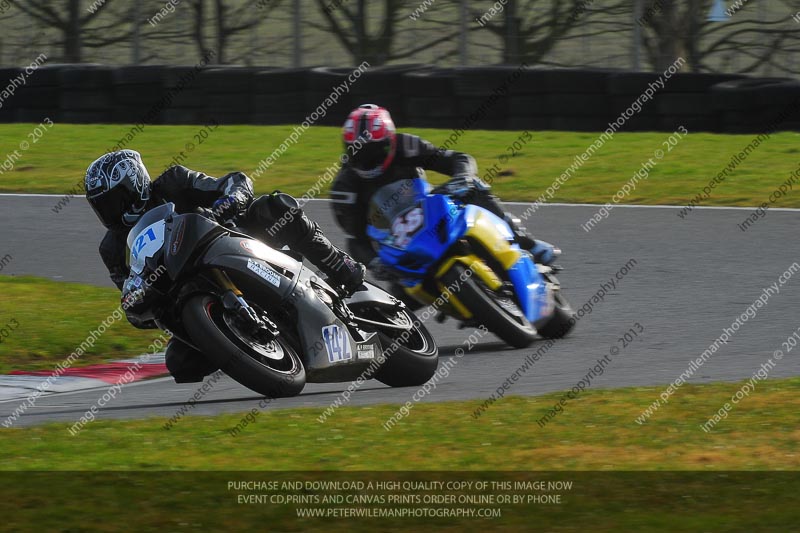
{"x": 351, "y": 194}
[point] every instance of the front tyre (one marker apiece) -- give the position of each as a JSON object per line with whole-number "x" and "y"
{"x": 498, "y": 312}
{"x": 561, "y": 323}
{"x": 273, "y": 369}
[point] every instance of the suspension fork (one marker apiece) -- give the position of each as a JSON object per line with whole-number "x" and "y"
{"x": 233, "y": 301}
{"x": 225, "y": 282}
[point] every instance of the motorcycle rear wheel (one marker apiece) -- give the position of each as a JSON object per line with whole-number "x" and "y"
{"x": 411, "y": 359}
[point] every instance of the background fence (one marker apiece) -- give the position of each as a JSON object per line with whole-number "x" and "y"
{"x": 421, "y": 96}
{"x": 757, "y": 37}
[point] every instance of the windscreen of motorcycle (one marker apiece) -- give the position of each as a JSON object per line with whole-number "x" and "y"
{"x": 396, "y": 211}
{"x": 146, "y": 238}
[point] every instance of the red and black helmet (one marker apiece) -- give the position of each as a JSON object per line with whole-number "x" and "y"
{"x": 370, "y": 140}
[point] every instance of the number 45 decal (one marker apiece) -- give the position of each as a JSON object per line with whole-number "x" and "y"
{"x": 337, "y": 343}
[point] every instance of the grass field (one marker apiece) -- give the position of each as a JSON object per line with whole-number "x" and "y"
{"x": 59, "y": 159}
{"x": 49, "y": 320}
{"x": 180, "y": 478}
{"x": 697, "y": 481}
{"x": 596, "y": 431}
{"x": 202, "y": 501}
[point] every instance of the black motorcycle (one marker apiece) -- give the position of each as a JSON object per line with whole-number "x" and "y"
{"x": 268, "y": 321}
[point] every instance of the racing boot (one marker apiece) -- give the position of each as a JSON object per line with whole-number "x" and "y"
{"x": 187, "y": 365}
{"x": 285, "y": 223}
{"x": 341, "y": 269}
{"x": 543, "y": 252}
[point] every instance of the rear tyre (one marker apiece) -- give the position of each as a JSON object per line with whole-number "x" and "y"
{"x": 273, "y": 369}
{"x": 500, "y": 313}
{"x": 412, "y": 356}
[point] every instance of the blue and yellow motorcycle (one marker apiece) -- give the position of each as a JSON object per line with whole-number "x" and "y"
{"x": 463, "y": 259}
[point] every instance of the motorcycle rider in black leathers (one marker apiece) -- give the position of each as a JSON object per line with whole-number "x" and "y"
{"x": 119, "y": 190}
{"x": 376, "y": 156}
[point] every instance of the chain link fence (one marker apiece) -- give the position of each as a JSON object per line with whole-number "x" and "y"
{"x": 757, "y": 37}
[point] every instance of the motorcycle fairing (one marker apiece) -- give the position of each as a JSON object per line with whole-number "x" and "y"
{"x": 495, "y": 236}
{"x": 445, "y": 222}
{"x": 316, "y": 320}
{"x": 301, "y": 293}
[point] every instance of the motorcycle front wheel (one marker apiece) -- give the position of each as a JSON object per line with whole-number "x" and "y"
{"x": 271, "y": 368}
{"x": 499, "y": 312}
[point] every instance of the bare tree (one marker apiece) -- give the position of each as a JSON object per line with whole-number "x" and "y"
{"x": 673, "y": 29}
{"x": 72, "y": 20}
{"x": 529, "y": 29}
{"x": 228, "y": 19}
{"x": 349, "y": 24}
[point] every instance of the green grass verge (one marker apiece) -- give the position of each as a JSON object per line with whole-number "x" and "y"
{"x": 179, "y": 478}
{"x": 203, "y": 501}
{"x": 59, "y": 160}
{"x": 47, "y": 321}
{"x": 596, "y": 431}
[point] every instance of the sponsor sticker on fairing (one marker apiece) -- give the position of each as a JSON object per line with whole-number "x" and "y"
{"x": 264, "y": 272}
{"x": 366, "y": 351}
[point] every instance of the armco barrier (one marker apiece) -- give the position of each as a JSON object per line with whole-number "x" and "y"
{"x": 418, "y": 96}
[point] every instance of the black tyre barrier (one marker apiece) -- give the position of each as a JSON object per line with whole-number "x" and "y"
{"x": 85, "y": 77}
{"x": 577, "y": 80}
{"x": 434, "y": 82}
{"x": 779, "y": 95}
{"x": 72, "y": 100}
{"x": 697, "y": 82}
{"x": 619, "y": 104}
{"x": 146, "y": 75}
{"x": 8, "y": 111}
{"x": 740, "y": 94}
{"x": 670, "y": 104}
{"x": 384, "y": 86}
{"x": 567, "y": 104}
{"x": 280, "y": 80}
{"x": 322, "y": 83}
{"x": 479, "y": 81}
{"x": 629, "y": 83}
{"x": 497, "y": 97}
{"x": 430, "y": 107}
{"x": 530, "y": 105}
{"x": 530, "y": 80}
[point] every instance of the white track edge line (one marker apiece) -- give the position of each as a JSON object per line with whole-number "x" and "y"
{"x": 546, "y": 204}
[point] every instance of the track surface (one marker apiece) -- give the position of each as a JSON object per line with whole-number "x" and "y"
{"x": 693, "y": 277}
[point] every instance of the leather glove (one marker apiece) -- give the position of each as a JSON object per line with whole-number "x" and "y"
{"x": 206, "y": 212}
{"x": 225, "y": 207}
{"x": 137, "y": 300}
{"x": 463, "y": 187}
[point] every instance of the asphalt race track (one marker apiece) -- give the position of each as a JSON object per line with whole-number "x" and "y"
{"x": 692, "y": 277}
